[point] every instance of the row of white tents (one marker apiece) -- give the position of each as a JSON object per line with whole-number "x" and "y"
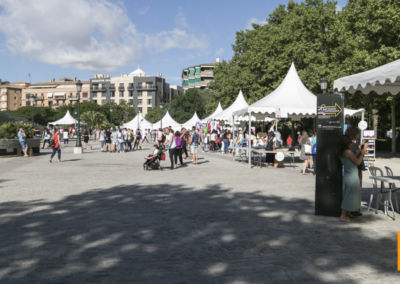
{"x": 290, "y": 100}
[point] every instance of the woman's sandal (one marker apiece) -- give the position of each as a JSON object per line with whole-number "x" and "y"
{"x": 345, "y": 219}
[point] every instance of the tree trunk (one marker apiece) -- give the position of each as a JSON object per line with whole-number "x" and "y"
{"x": 393, "y": 126}
{"x": 375, "y": 120}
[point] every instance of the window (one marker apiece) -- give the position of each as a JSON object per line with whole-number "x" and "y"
{"x": 84, "y": 95}
{"x": 148, "y": 109}
{"x": 139, "y": 102}
{"x": 197, "y": 80}
{"x": 131, "y": 93}
{"x": 185, "y": 83}
{"x": 104, "y": 95}
{"x": 50, "y": 103}
{"x": 149, "y": 101}
{"x": 141, "y": 109}
{"x": 130, "y": 101}
{"x": 197, "y": 70}
{"x": 191, "y": 72}
{"x": 191, "y": 81}
{"x": 121, "y": 94}
{"x": 112, "y": 94}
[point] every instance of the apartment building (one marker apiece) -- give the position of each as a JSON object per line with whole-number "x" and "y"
{"x": 11, "y": 95}
{"x": 54, "y": 93}
{"x": 198, "y": 76}
{"x": 143, "y": 92}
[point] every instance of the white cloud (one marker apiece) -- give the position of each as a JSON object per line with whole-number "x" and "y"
{"x": 255, "y": 21}
{"x": 177, "y": 38}
{"x": 181, "y": 20}
{"x": 88, "y": 35}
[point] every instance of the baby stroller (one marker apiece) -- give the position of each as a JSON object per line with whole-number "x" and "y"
{"x": 153, "y": 162}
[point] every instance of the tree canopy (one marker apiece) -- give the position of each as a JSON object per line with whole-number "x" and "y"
{"x": 320, "y": 40}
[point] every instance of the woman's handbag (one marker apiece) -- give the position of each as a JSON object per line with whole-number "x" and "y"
{"x": 307, "y": 149}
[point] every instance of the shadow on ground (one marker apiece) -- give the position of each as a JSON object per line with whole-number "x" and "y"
{"x": 176, "y": 234}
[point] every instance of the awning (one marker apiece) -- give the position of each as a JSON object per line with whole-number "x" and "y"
{"x": 49, "y": 95}
{"x": 383, "y": 79}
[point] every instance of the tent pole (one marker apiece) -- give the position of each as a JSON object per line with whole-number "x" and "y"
{"x": 393, "y": 126}
{"x": 249, "y": 141}
{"x": 362, "y": 131}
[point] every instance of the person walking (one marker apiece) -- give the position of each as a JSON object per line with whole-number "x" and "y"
{"x": 107, "y": 140}
{"x": 305, "y": 152}
{"x": 22, "y": 141}
{"x": 171, "y": 145}
{"x": 65, "y": 136}
{"x": 46, "y": 138}
{"x": 101, "y": 139}
{"x": 351, "y": 184}
{"x": 178, "y": 148}
{"x": 55, "y": 144}
{"x": 194, "y": 144}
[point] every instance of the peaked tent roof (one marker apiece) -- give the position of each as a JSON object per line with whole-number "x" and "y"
{"x": 353, "y": 112}
{"x": 291, "y": 98}
{"x": 138, "y": 122}
{"x": 383, "y": 79}
{"x": 216, "y": 112}
{"x": 238, "y": 104}
{"x": 167, "y": 121}
{"x": 138, "y": 73}
{"x": 191, "y": 122}
{"x": 66, "y": 120}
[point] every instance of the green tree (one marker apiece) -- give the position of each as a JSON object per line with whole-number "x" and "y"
{"x": 183, "y": 106}
{"x": 120, "y": 113}
{"x": 93, "y": 119}
{"x": 156, "y": 113}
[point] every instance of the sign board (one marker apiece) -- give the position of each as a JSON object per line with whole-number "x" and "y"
{"x": 279, "y": 156}
{"x": 328, "y": 182}
{"x": 363, "y": 125}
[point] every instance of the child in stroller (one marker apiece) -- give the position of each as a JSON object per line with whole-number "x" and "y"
{"x": 153, "y": 161}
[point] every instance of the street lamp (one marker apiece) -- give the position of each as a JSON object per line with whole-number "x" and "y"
{"x": 78, "y": 145}
{"x": 161, "y": 107}
{"x": 324, "y": 85}
{"x": 32, "y": 100}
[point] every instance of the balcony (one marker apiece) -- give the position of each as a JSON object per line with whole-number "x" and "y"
{"x": 130, "y": 87}
{"x": 146, "y": 88}
{"x": 207, "y": 74}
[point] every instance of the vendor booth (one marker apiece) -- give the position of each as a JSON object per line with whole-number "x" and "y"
{"x": 380, "y": 80}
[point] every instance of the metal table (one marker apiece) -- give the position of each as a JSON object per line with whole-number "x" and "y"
{"x": 388, "y": 202}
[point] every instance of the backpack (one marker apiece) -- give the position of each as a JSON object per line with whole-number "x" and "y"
{"x": 178, "y": 142}
{"x": 52, "y": 143}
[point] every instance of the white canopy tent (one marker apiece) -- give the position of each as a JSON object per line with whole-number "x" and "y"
{"x": 191, "y": 122}
{"x": 227, "y": 114}
{"x": 167, "y": 121}
{"x": 383, "y": 79}
{"x": 138, "y": 122}
{"x": 218, "y": 110}
{"x": 290, "y": 99}
{"x": 66, "y": 120}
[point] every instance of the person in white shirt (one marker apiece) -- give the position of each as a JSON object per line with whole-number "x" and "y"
{"x": 65, "y": 137}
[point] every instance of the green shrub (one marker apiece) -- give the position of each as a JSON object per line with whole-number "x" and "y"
{"x": 9, "y": 130}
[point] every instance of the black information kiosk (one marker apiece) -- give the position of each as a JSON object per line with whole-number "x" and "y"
{"x": 329, "y": 122}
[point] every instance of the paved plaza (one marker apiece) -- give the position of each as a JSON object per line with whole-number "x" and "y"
{"x": 100, "y": 218}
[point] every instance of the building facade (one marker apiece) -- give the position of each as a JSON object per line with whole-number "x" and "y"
{"x": 138, "y": 89}
{"x": 198, "y": 76}
{"x": 54, "y": 93}
{"x": 11, "y": 96}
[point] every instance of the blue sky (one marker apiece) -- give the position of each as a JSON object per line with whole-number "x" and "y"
{"x": 68, "y": 38}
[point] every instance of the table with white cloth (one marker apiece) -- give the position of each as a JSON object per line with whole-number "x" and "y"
{"x": 259, "y": 153}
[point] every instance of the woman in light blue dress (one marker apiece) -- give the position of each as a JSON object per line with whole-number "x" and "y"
{"x": 351, "y": 183}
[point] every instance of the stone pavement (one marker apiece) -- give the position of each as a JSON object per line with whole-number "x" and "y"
{"x": 99, "y": 218}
